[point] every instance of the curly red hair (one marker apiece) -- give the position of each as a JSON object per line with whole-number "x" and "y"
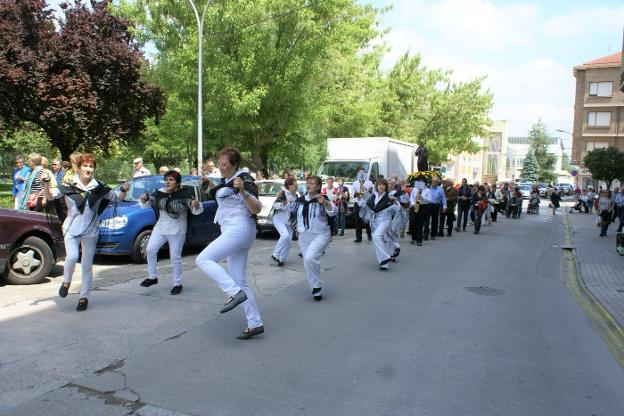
{"x": 86, "y": 158}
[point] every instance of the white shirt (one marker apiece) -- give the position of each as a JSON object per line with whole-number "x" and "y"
{"x": 85, "y": 224}
{"x": 317, "y": 217}
{"x": 281, "y": 212}
{"x": 355, "y": 187}
{"x": 232, "y": 207}
{"x": 140, "y": 172}
{"x": 166, "y": 224}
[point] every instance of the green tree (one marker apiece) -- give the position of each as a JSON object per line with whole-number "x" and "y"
{"x": 539, "y": 141}
{"x": 265, "y": 64}
{"x": 424, "y": 106}
{"x": 605, "y": 164}
{"x": 530, "y": 168}
{"x": 78, "y": 80}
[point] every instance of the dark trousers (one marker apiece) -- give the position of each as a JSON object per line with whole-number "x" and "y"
{"x": 448, "y": 217}
{"x": 476, "y": 218}
{"x": 360, "y": 224}
{"x": 621, "y": 217}
{"x": 431, "y": 219}
{"x": 416, "y": 220}
{"x": 462, "y": 213}
{"x": 494, "y": 212}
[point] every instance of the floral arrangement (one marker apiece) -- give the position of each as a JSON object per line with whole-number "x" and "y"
{"x": 423, "y": 176}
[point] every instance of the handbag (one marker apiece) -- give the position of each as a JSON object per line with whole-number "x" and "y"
{"x": 34, "y": 198}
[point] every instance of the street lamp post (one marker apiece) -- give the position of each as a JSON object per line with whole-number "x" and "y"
{"x": 200, "y": 127}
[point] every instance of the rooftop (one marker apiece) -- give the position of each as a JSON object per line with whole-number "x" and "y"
{"x": 615, "y": 59}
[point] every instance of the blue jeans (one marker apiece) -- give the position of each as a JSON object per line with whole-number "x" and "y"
{"x": 342, "y": 219}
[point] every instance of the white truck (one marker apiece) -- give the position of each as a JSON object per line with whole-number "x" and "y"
{"x": 377, "y": 155}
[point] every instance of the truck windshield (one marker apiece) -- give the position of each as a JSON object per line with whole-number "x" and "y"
{"x": 347, "y": 169}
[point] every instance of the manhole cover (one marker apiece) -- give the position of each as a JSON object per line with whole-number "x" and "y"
{"x": 484, "y": 290}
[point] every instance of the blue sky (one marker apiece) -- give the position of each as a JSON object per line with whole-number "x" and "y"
{"x": 525, "y": 48}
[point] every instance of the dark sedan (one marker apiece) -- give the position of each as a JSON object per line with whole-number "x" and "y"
{"x": 30, "y": 245}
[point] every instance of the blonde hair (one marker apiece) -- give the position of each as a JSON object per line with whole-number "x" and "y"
{"x": 44, "y": 162}
{"x": 36, "y": 158}
{"x": 75, "y": 160}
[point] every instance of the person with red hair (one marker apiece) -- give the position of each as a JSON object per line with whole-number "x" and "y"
{"x": 86, "y": 199}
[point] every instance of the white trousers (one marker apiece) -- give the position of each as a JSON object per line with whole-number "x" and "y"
{"x": 285, "y": 241}
{"x": 312, "y": 247}
{"x": 176, "y": 244}
{"x": 233, "y": 244}
{"x": 384, "y": 248}
{"x": 72, "y": 253}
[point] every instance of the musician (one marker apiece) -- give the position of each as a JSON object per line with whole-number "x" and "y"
{"x": 172, "y": 205}
{"x": 282, "y": 220}
{"x": 361, "y": 188}
{"x": 379, "y": 210}
{"x": 313, "y": 212}
{"x": 238, "y": 204}
{"x": 86, "y": 199}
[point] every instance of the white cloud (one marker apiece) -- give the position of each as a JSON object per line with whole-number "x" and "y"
{"x": 583, "y": 22}
{"x": 481, "y": 26}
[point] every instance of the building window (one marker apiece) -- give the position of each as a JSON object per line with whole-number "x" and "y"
{"x": 599, "y": 119}
{"x": 601, "y": 89}
{"x": 495, "y": 143}
{"x": 596, "y": 145}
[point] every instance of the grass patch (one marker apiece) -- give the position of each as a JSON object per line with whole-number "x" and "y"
{"x": 6, "y": 201}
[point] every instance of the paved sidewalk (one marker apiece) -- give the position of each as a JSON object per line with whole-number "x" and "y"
{"x": 601, "y": 268}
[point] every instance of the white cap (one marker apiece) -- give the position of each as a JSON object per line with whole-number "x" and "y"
{"x": 137, "y": 160}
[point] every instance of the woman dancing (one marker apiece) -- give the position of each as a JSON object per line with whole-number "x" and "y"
{"x": 282, "y": 220}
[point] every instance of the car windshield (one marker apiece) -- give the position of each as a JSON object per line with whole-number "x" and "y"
{"x": 269, "y": 188}
{"x": 346, "y": 169}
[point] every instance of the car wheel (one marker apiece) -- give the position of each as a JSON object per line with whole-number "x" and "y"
{"x": 30, "y": 262}
{"x": 139, "y": 247}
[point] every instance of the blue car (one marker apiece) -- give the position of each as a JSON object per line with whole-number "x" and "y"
{"x": 126, "y": 228}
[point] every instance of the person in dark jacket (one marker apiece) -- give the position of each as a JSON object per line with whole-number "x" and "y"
{"x": 555, "y": 199}
{"x": 464, "y": 195}
{"x": 451, "y": 200}
{"x": 479, "y": 204}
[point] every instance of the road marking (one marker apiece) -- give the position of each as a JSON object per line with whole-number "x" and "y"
{"x": 608, "y": 328}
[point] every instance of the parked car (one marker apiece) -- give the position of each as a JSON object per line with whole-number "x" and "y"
{"x": 125, "y": 229}
{"x": 525, "y": 189}
{"x": 30, "y": 245}
{"x": 267, "y": 192}
{"x": 567, "y": 188}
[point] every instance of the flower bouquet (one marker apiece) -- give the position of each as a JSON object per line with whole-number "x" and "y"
{"x": 423, "y": 176}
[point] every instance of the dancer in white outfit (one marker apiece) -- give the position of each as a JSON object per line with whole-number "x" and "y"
{"x": 171, "y": 205}
{"x": 313, "y": 211}
{"x": 399, "y": 220}
{"x": 86, "y": 199}
{"x": 380, "y": 209}
{"x": 282, "y": 220}
{"x": 237, "y": 197}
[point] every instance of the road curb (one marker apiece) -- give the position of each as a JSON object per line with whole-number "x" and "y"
{"x": 608, "y": 327}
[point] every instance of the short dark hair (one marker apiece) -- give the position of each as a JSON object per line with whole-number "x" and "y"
{"x": 175, "y": 175}
{"x": 289, "y": 181}
{"x": 232, "y": 154}
{"x": 317, "y": 180}
{"x": 381, "y": 181}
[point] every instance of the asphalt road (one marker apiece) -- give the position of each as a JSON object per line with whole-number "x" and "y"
{"x": 469, "y": 325}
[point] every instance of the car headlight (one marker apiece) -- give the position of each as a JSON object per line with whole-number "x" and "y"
{"x": 114, "y": 223}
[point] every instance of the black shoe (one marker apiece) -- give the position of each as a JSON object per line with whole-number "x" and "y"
{"x": 251, "y": 332}
{"x": 316, "y": 293}
{"x": 280, "y": 263}
{"x": 412, "y": 242}
{"x": 397, "y": 251}
{"x": 82, "y": 304}
{"x": 234, "y": 301}
{"x": 149, "y": 282}
{"x": 275, "y": 259}
{"x": 384, "y": 264}
{"x": 419, "y": 244}
{"x": 448, "y": 234}
{"x": 441, "y": 234}
{"x": 457, "y": 229}
{"x": 341, "y": 233}
{"x": 426, "y": 238}
{"x": 476, "y": 232}
{"x": 370, "y": 237}
{"x": 393, "y": 259}
{"x": 357, "y": 240}
{"x": 300, "y": 255}
{"x": 176, "y": 290}
{"x": 64, "y": 289}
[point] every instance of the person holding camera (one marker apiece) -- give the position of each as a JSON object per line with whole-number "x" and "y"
{"x": 86, "y": 198}
{"x": 313, "y": 212}
{"x": 282, "y": 220}
{"x": 171, "y": 205}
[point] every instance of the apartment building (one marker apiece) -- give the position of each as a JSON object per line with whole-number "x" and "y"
{"x": 598, "y": 110}
{"x": 517, "y": 149}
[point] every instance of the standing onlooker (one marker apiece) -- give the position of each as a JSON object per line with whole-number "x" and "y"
{"x": 163, "y": 170}
{"x": 58, "y": 170}
{"x": 138, "y": 168}
{"x": 619, "y": 204}
{"x": 69, "y": 174}
{"x": 555, "y": 199}
{"x": 464, "y": 195}
{"x": 451, "y": 200}
{"x": 20, "y": 173}
{"x": 210, "y": 170}
{"x": 605, "y": 208}
{"x": 193, "y": 172}
{"x": 342, "y": 203}
{"x": 591, "y": 196}
{"x": 617, "y": 196}
{"x": 361, "y": 188}
{"x": 33, "y": 185}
